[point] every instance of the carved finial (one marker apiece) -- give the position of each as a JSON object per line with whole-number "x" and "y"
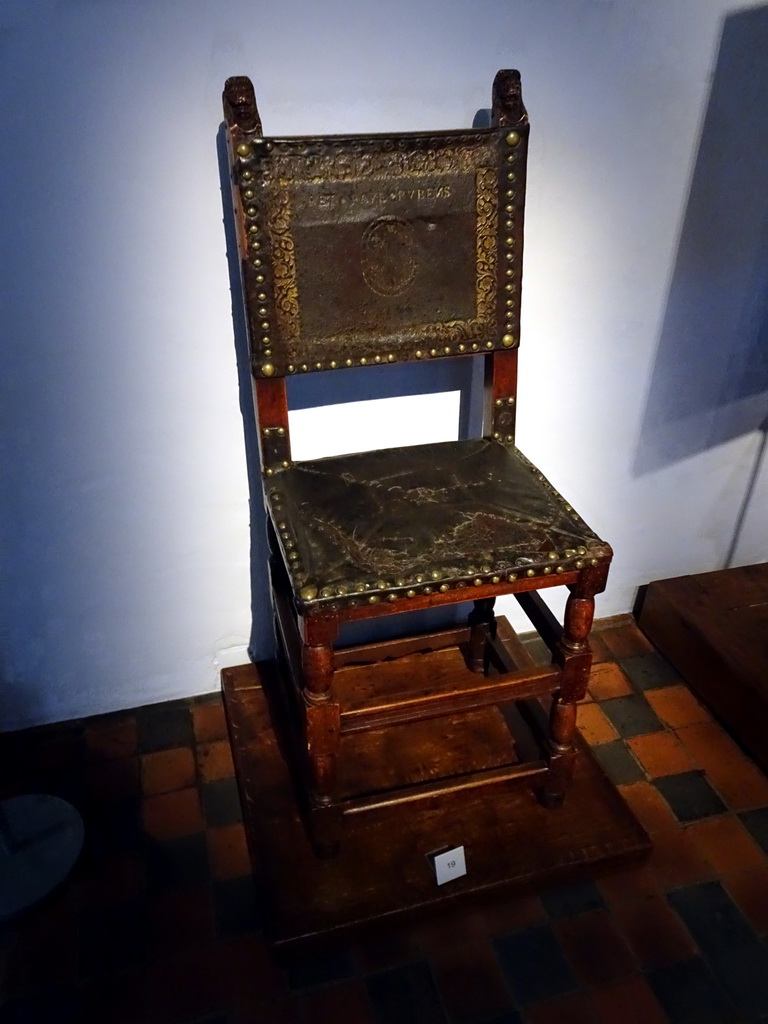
{"x": 239, "y": 102}
{"x": 508, "y": 109}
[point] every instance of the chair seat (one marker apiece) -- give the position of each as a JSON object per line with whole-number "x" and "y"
{"x": 430, "y": 517}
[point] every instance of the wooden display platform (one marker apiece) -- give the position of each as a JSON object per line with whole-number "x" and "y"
{"x": 511, "y": 842}
{"x": 713, "y": 628}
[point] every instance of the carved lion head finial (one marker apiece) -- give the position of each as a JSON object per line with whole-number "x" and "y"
{"x": 239, "y": 102}
{"x": 508, "y": 109}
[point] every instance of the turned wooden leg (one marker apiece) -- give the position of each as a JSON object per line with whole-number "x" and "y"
{"x": 575, "y": 658}
{"x": 481, "y": 622}
{"x": 322, "y": 734}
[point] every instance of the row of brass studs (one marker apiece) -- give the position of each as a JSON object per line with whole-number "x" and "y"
{"x": 278, "y": 447}
{"x": 509, "y": 340}
{"x": 311, "y": 593}
{"x": 255, "y": 244}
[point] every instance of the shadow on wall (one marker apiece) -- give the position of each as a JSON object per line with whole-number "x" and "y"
{"x": 710, "y": 379}
{"x": 318, "y": 389}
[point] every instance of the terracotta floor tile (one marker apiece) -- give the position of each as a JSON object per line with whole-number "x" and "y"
{"x": 600, "y": 649}
{"x": 709, "y": 744}
{"x": 215, "y": 760}
{"x": 469, "y": 978}
{"x": 629, "y": 1001}
{"x": 228, "y": 851}
{"x": 384, "y": 948}
{"x": 625, "y": 641}
{"x": 594, "y": 947}
{"x": 677, "y": 860}
{"x": 607, "y": 680}
{"x": 740, "y": 783}
{"x": 171, "y": 815}
{"x": 572, "y": 1009}
{"x": 593, "y": 724}
{"x": 660, "y": 753}
{"x": 676, "y": 706}
{"x": 167, "y": 770}
{"x": 112, "y": 737}
{"x": 726, "y": 844}
{"x": 631, "y": 885}
{"x": 750, "y": 890}
{"x": 655, "y": 933}
{"x": 650, "y": 808}
{"x": 209, "y": 722}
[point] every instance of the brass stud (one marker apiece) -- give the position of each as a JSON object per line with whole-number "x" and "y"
{"x": 410, "y": 593}
{"x": 509, "y": 241}
{"x": 269, "y": 472}
{"x": 268, "y": 370}
{"x": 513, "y": 138}
{"x": 259, "y": 277}
{"x": 433, "y": 351}
{"x": 363, "y": 361}
{"x": 291, "y": 368}
{"x": 478, "y": 582}
{"x": 509, "y": 287}
{"x": 499, "y": 401}
{"x": 497, "y": 436}
{"x": 579, "y": 564}
{"x": 510, "y": 193}
{"x": 419, "y": 578}
{"x": 247, "y": 175}
{"x": 475, "y": 346}
{"x": 326, "y": 592}
{"x": 391, "y": 597}
{"x": 249, "y": 193}
{"x": 341, "y": 590}
{"x": 334, "y": 364}
{"x": 511, "y": 401}
{"x": 348, "y": 362}
{"x": 390, "y": 357}
{"x": 304, "y": 368}
{"x": 264, "y": 325}
{"x": 262, "y": 297}
{"x": 281, "y": 431}
{"x": 530, "y": 572}
{"x": 510, "y": 256}
{"x": 508, "y": 341}
{"x": 262, "y": 311}
{"x": 435, "y": 574}
{"x": 509, "y": 223}
{"x": 243, "y": 149}
{"x": 547, "y": 570}
{"x": 485, "y": 568}
{"x": 510, "y": 272}
{"x": 318, "y": 366}
{"x": 509, "y": 208}
{"x": 496, "y": 579}
{"x": 427, "y": 590}
{"x": 512, "y": 577}
{"x": 511, "y": 176}
{"x": 251, "y": 211}
{"x": 255, "y": 243}
{"x": 266, "y": 352}
{"x": 462, "y": 348}
{"x": 373, "y": 599}
{"x": 509, "y": 438}
{"x": 377, "y": 359}
{"x": 382, "y": 584}
{"x": 489, "y": 344}
{"x": 256, "y": 263}
{"x": 552, "y": 556}
{"x": 282, "y": 526}
{"x": 560, "y": 568}
{"x": 308, "y": 593}
{"x": 581, "y": 550}
{"x": 400, "y": 582}
{"x": 418, "y": 353}
{"x": 444, "y": 587}
{"x": 593, "y": 561}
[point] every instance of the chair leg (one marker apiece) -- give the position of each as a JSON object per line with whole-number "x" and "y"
{"x": 481, "y": 622}
{"x": 575, "y": 658}
{"x": 322, "y": 724}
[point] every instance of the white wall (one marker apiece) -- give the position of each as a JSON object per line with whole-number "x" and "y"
{"x": 125, "y": 501}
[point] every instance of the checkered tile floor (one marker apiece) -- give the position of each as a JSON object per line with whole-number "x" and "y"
{"x": 160, "y": 921}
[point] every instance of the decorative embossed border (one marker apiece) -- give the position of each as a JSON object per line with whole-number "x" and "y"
{"x": 396, "y": 159}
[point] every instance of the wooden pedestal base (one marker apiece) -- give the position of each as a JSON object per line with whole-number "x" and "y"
{"x": 510, "y": 841}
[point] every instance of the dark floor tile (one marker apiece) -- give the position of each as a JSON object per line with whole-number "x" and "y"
{"x": 618, "y": 763}
{"x": 164, "y": 725}
{"x": 113, "y": 939}
{"x": 534, "y": 964}
{"x": 649, "y": 671}
{"x": 537, "y": 649}
{"x": 631, "y": 716}
{"x": 113, "y": 827}
{"x": 572, "y": 899}
{"x": 757, "y": 823}
{"x": 238, "y": 907}
{"x": 713, "y": 919}
{"x": 46, "y": 1005}
{"x": 178, "y": 862}
{"x": 690, "y": 796}
{"x": 405, "y": 995}
{"x": 690, "y": 993}
{"x": 743, "y": 973}
{"x": 221, "y": 802}
{"x": 320, "y": 967}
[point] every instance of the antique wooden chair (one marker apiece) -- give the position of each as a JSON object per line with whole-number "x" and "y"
{"x": 369, "y": 250}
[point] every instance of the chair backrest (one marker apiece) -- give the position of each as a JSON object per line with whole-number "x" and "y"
{"x": 360, "y": 250}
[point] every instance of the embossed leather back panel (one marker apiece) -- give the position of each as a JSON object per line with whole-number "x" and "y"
{"x": 360, "y": 250}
